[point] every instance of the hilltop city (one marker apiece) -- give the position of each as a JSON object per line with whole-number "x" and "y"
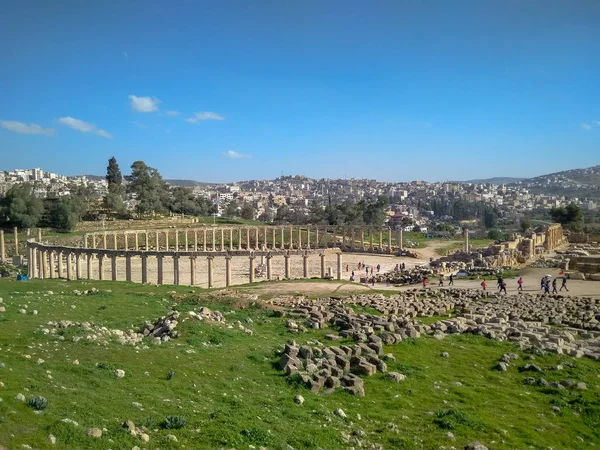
{"x": 412, "y": 204}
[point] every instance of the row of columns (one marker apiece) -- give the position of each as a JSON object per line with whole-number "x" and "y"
{"x": 207, "y": 239}
{"x": 3, "y": 247}
{"x": 42, "y": 264}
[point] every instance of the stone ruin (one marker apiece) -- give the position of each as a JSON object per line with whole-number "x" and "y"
{"x": 554, "y": 323}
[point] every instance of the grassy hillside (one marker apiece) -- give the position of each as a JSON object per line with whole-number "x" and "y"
{"x": 227, "y": 387}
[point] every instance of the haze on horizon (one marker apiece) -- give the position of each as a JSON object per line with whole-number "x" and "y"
{"x": 237, "y": 91}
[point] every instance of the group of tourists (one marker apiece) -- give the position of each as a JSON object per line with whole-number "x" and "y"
{"x": 545, "y": 284}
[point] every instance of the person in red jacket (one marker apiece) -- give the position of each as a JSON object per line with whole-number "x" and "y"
{"x": 424, "y": 282}
{"x": 484, "y": 284}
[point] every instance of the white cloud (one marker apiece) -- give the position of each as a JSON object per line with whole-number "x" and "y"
{"x": 139, "y": 125}
{"x": 235, "y": 155}
{"x": 144, "y": 104}
{"x": 172, "y": 113}
{"x": 205, "y": 115}
{"x": 585, "y": 126}
{"x": 23, "y": 128}
{"x": 84, "y": 127}
{"x": 598, "y": 122}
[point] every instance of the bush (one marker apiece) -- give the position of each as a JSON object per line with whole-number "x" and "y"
{"x": 174, "y": 423}
{"x": 38, "y": 403}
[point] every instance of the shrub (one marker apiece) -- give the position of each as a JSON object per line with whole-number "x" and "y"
{"x": 38, "y": 403}
{"x": 174, "y": 422}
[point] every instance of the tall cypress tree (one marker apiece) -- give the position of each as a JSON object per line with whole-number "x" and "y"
{"x": 114, "y": 199}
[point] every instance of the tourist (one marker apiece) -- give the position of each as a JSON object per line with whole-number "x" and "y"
{"x": 378, "y": 268}
{"x": 484, "y": 284}
{"x": 371, "y": 271}
{"x": 542, "y": 283}
{"x": 546, "y": 286}
{"x": 424, "y": 283}
{"x": 441, "y": 280}
{"x": 554, "y": 291}
{"x": 347, "y": 267}
{"x": 500, "y": 280}
{"x": 352, "y": 277}
{"x": 372, "y": 281}
{"x": 451, "y": 280}
{"x": 503, "y": 287}
{"x": 387, "y": 281}
{"x": 564, "y": 284}
{"x": 520, "y": 283}
{"x": 358, "y": 266}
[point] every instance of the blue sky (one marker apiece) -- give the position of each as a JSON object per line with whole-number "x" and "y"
{"x": 236, "y": 90}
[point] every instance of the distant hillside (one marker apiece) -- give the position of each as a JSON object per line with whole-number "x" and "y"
{"x": 496, "y": 180}
{"x": 188, "y": 183}
{"x": 581, "y": 183}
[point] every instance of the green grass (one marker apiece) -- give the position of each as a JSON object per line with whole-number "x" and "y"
{"x": 458, "y": 245}
{"x": 229, "y": 393}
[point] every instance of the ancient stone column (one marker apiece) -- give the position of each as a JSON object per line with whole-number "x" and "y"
{"x": 247, "y": 238}
{"x": 167, "y": 240}
{"x": 400, "y": 243}
{"x": 231, "y": 239}
{"x": 90, "y": 270}
{"x": 222, "y": 240}
{"x": 389, "y": 249}
{"x": 256, "y": 244}
{"x": 93, "y": 235}
{"x": 239, "y": 235}
{"x": 113, "y": 267}
{"x": 204, "y": 240}
{"x": 159, "y": 269}
{"x": 176, "y": 240}
{"x": 193, "y": 270}
{"x": 362, "y": 239}
{"x": 69, "y": 266}
{"x": 195, "y": 240}
{"x": 51, "y": 263}
{"x": 339, "y": 266}
{"x": 274, "y": 246}
{"x": 16, "y": 235}
{"x": 136, "y": 241}
{"x": 269, "y": 269}
{"x": 322, "y": 255}
{"x": 228, "y": 270}
{"x": 265, "y": 237}
{"x": 59, "y": 259}
{"x": 251, "y": 258}
{"x": 100, "y": 266}
{"x": 287, "y": 265}
{"x": 128, "y": 266}
{"x": 210, "y": 270}
{"x": 104, "y": 246}
{"x": 185, "y": 240}
{"x": 317, "y": 238}
{"x": 2, "y": 247}
{"x": 147, "y": 241}
{"x": 305, "y": 265}
{"x": 214, "y": 240}
{"x": 33, "y": 273}
{"x": 44, "y": 264}
{"x": 115, "y": 241}
{"x": 308, "y": 238}
{"x": 78, "y": 274}
{"x": 371, "y": 240}
{"x": 85, "y": 239}
{"x": 466, "y": 239}
{"x": 126, "y": 240}
{"x": 380, "y": 241}
{"x": 157, "y": 238}
{"x": 144, "y": 269}
{"x": 282, "y": 238}
{"x": 176, "y": 269}
{"x": 39, "y": 234}
{"x": 299, "y": 238}
{"x": 291, "y": 238}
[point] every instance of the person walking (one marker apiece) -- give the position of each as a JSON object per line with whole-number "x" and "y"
{"x": 564, "y": 284}
{"x": 520, "y": 283}
{"x": 387, "y": 282}
{"x": 503, "y": 287}
{"x": 500, "y": 283}
{"x": 378, "y": 268}
{"x": 542, "y": 283}
{"x": 554, "y": 291}
{"x": 424, "y": 283}
{"x": 484, "y": 284}
{"x": 441, "y": 280}
{"x": 546, "y": 286}
{"x": 451, "y": 283}
{"x": 347, "y": 267}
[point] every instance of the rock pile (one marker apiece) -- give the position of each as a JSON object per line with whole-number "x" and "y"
{"x": 163, "y": 329}
{"x": 330, "y": 368}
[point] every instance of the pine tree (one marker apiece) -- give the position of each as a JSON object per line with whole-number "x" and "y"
{"x": 114, "y": 199}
